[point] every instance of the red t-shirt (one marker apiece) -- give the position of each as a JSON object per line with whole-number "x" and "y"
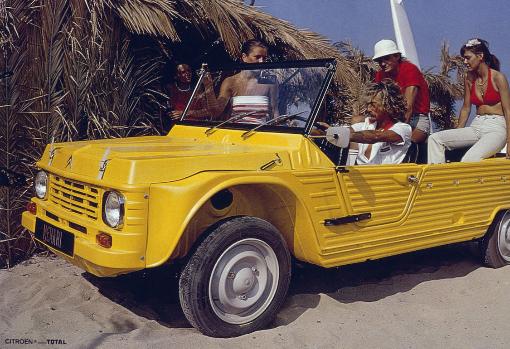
{"x": 409, "y": 75}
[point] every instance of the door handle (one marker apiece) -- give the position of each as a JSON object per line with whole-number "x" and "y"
{"x": 412, "y": 179}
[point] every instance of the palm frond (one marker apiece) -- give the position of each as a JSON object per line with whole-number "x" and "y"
{"x": 153, "y": 17}
{"x": 15, "y": 242}
{"x": 230, "y": 20}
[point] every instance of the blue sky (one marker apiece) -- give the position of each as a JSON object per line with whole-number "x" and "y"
{"x": 364, "y": 22}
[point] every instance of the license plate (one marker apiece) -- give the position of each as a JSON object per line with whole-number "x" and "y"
{"x": 55, "y": 237}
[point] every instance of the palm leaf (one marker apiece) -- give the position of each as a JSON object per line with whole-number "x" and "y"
{"x": 15, "y": 243}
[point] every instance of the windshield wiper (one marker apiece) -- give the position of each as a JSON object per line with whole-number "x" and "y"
{"x": 272, "y": 121}
{"x": 233, "y": 118}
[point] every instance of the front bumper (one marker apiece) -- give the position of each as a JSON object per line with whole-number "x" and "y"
{"x": 88, "y": 255}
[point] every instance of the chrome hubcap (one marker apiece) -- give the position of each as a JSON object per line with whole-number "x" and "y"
{"x": 243, "y": 281}
{"x": 504, "y": 237}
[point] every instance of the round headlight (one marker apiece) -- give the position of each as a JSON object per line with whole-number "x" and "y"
{"x": 113, "y": 209}
{"x": 41, "y": 184}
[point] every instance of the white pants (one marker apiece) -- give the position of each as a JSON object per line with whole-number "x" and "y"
{"x": 486, "y": 135}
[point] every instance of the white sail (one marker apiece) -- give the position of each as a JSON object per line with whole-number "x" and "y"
{"x": 403, "y": 32}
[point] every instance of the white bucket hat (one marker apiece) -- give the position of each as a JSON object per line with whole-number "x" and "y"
{"x": 384, "y": 48}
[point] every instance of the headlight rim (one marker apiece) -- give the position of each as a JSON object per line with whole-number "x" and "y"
{"x": 36, "y": 181}
{"x": 122, "y": 205}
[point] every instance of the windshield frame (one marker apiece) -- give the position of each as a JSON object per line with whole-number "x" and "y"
{"x": 328, "y": 63}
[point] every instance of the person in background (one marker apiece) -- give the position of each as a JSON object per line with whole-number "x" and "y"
{"x": 243, "y": 92}
{"x": 487, "y": 89}
{"x": 383, "y": 138}
{"x": 412, "y": 85}
{"x": 179, "y": 92}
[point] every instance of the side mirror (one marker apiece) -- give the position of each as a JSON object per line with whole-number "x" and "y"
{"x": 339, "y": 136}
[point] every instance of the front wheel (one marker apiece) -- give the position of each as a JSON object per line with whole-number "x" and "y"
{"x": 495, "y": 245}
{"x": 237, "y": 279}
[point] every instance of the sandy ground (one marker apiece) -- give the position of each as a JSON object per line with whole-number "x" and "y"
{"x": 440, "y": 298}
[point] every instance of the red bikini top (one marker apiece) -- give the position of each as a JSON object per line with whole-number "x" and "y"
{"x": 490, "y": 97}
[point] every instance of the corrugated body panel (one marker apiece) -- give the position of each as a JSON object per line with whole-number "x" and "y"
{"x": 451, "y": 202}
{"x": 136, "y": 212}
{"x": 309, "y": 156}
{"x": 320, "y": 187}
{"x": 466, "y": 192}
{"x": 384, "y": 191}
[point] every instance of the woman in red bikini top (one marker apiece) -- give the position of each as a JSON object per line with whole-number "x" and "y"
{"x": 489, "y": 97}
{"x": 485, "y": 86}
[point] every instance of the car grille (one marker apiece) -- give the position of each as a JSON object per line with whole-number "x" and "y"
{"x": 76, "y": 197}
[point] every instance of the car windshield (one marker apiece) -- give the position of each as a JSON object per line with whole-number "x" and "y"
{"x": 276, "y": 97}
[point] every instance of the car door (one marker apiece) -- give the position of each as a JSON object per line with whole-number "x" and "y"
{"x": 371, "y": 215}
{"x": 381, "y": 194}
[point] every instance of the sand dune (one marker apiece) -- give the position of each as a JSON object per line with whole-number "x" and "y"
{"x": 430, "y": 299}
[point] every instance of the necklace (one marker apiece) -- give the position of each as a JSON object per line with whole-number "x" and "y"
{"x": 182, "y": 89}
{"x": 481, "y": 85}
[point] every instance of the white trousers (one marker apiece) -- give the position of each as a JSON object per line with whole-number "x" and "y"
{"x": 486, "y": 135}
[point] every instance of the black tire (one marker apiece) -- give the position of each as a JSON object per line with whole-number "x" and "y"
{"x": 224, "y": 289}
{"x": 495, "y": 245}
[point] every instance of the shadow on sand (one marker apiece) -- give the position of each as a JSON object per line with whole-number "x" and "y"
{"x": 153, "y": 294}
{"x": 386, "y": 277}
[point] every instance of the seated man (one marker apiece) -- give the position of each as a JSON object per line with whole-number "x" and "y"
{"x": 383, "y": 138}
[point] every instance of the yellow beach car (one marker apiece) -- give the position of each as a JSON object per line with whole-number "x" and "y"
{"x": 234, "y": 193}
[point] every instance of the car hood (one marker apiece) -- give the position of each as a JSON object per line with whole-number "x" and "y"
{"x": 153, "y": 159}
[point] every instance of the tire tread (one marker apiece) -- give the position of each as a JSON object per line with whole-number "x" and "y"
{"x": 231, "y": 230}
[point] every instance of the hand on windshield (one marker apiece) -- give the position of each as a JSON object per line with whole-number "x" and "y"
{"x": 319, "y": 128}
{"x": 292, "y": 123}
{"x": 208, "y": 81}
{"x": 175, "y": 114}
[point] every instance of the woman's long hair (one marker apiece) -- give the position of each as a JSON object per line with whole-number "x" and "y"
{"x": 477, "y": 46}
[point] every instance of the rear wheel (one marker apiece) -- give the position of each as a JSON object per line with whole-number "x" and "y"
{"x": 495, "y": 245}
{"x": 237, "y": 279}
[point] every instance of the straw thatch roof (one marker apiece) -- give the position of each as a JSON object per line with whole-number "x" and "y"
{"x": 231, "y": 21}
{"x": 234, "y": 22}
